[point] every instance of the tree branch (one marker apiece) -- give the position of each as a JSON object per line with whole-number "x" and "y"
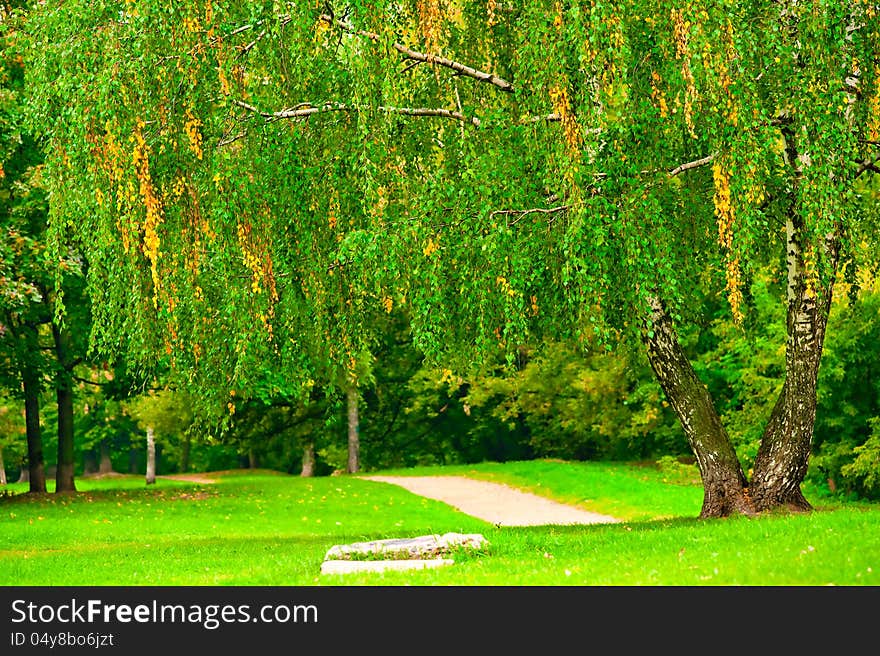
{"x": 681, "y": 168}
{"x": 523, "y": 213}
{"x": 414, "y": 55}
{"x": 90, "y": 382}
{"x": 869, "y": 165}
{"x": 306, "y": 110}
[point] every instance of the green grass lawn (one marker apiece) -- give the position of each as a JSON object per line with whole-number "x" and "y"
{"x": 264, "y": 528}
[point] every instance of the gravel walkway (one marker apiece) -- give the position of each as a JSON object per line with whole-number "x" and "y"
{"x": 499, "y": 504}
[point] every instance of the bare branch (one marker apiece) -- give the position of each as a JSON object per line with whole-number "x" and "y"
{"x": 304, "y": 110}
{"x": 429, "y": 111}
{"x": 228, "y": 140}
{"x": 239, "y": 30}
{"x": 414, "y": 55}
{"x": 550, "y": 118}
{"x": 869, "y": 165}
{"x": 681, "y": 168}
{"x": 521, "y": 214}
{"x": 245, "y": 49}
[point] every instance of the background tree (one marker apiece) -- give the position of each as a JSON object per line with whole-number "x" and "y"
{"x": 12, "y": 437}
{"x": 33, "y": 277}
{"x": 167, "y": 414}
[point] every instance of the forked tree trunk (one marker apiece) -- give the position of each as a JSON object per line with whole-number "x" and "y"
{"x": 353, "y": 430}
{"x": 308, "y": 461}
{"x": 151, "y": 456}
{"x": 784, "y": 453}
{"x": 64, "y": 479}
{"x": 724, "y": 483}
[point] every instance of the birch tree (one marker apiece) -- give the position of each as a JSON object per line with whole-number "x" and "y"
{"x": 250, "y": 181}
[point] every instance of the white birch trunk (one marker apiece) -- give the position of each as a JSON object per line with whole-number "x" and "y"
{"x": 353, "y": 431}
{"x": 151, "y": 456}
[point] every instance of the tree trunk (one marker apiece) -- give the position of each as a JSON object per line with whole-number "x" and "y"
{"x": 151, "y": 456}
{"x": 132, "y": 461}
{"x": 2, "y": 469}
{"x": 105, "y": 466}
{"x": 24, "y": 475}
{"x": 64, "y": 479}
{"x": 253, "y": 463}
{"x": 36, "y": 473}
{"x": 308, "y": 461}
{"x": 353, "y": 430}
{"x": 724, "y": 483}
{"x": 783, "y": 457}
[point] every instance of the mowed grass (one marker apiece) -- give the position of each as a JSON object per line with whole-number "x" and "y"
{"x": 265, "y": 528}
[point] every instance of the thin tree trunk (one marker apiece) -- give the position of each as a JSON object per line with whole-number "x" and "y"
{"x": 64, "y": 478}
{"x": 132, "y": 461}
{"x": 783, "y": 457}
{"x": 353, "y": 430}
{"x": 36, "y": 473}
{"x": 24, "y": 475}
{"x": 308, "y": 461}
{"x": 2, "y": 469}
{"x": 724, "y": 483}
{"x": 151, "y": 456}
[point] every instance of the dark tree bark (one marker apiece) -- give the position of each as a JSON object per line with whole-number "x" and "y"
{"x": 724, "y": 483}
{"x": 353, "y": 430}
{"x": 31, "y": 386}
{"x": 64, "y": 478}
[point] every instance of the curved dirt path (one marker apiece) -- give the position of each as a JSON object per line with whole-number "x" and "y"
{"x": 499, "y": 504}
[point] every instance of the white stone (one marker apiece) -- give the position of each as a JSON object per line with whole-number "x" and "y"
{"x": 424, "y": 545}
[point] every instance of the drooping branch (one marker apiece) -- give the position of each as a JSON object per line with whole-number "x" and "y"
{"x": 522, "y": 213}
{"x": 414, "y": 55}
{"x": 305, "y": 110}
